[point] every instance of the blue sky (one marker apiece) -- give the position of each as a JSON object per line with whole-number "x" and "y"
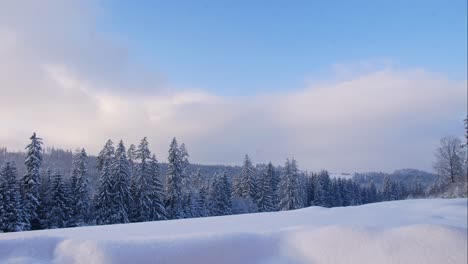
{"x": 340, "y": 85}
{"x": 249, "y": 47}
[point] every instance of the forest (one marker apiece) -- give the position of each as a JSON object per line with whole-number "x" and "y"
{"x": 57, "y": 189}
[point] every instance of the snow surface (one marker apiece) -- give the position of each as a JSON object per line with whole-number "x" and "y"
{"x": 409, "y": 231}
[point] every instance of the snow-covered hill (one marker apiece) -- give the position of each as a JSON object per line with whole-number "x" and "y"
{"x": 410, "y": 231}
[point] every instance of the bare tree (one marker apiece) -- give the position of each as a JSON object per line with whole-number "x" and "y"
{"x": 449, "y": 158}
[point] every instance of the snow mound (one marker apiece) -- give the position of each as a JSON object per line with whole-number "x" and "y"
{"x": 411, "y": 231}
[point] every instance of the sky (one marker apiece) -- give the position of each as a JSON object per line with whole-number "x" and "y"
{"x": 340, "y": 85}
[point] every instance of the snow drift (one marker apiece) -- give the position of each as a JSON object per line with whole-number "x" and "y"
{"x": 410, "y": 231}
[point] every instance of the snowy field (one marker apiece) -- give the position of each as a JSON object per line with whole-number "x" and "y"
{"x": 410, "y": 231}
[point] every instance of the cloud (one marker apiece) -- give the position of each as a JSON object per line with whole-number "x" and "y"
{"x": 75, "y": 88}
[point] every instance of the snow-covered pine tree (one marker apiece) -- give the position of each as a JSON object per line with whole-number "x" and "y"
{"x": 59, "y": 211}
{"x": 274, "y": 183}
{"x": 105, "y": 155}
{"x": 311, "y": 189}
{"x": 192, "y": 207}
{"x": 141, "y": 189}
{"x": 103, "y": 198}
{"x": 303, "y": 192}
{"x": 30, "y": 183}
{"x": 203, "y": 198}
{"x": 265, "y": 190}
{"x": 220, "y": 199}
{"x": 173, "y": 200}
{"x": 131, "y": 155}
{"x": 189, "y": 205}
{"x": 245, "y": 187}
{"x": 80, "y": 193}
{"x": 197, "y": 179}
{"x": 373, "y": 194}
{"x": 387, "y": 189}
{"x": 336, "y": 193}
{"x": 158, "y": 211}
{"x": 288, "y": 189}
{"x": 10, "y": 199}
{"x": 44, "y": 198}
{"x": 184, "y": 158}
{"x": 120, "y": 179}
{"x": 325, "y": 194}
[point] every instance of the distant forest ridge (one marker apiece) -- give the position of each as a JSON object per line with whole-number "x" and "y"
{"x": 59, "y": 159}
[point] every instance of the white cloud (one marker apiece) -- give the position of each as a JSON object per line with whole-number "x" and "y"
{"x": 80, "y": 94}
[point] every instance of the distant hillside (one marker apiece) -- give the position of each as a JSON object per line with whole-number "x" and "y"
{"x": 408, "y": 177}
{"x": 57, "y": 159}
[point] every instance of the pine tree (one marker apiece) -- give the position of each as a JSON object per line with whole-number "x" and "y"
{"x": 31, "y": 181}
{"x": 245, "y": 187}
{"x": 157, "y": 209}
{"x": 265, "y": 190}
{"x": 275, "y": 179}
{"x": 103, "y": 199}
{"x": 44, "y": 198}
{"x": 141, "y": 188}
{"x": 11, "y": 215}
{"x": 59, "y": 211}
{"x": 324, "y": 193}
{"x": 184, "y": 158}
{"x": 173, "y": 200}
{"x": 311, "y": 189}
{"x": 203, "y": 198}
{"x": 80, "y": 193}
{"x": 121, "y": 199}
{"x": 131, "y": 155}
{"x": 220, "y": 198}
{"x": 191, "y": 205}
{"x": 303, "y": 193}
{"x": 105, "y": 155}
{"x": 387, "y": 191}
{"x": 373, "y": 194}
{"x": 288, "y": 189}
{"x": 336, "y": 193}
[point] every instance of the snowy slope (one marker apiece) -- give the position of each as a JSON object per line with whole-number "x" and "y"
{"x": 410, "y": 231}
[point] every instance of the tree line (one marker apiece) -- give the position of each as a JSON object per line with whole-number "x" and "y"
{"x": 131, "y": 189}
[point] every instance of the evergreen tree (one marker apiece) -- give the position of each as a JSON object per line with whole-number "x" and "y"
{"x": 105, "y": 155}
{"x": 30, "y": 183}
{"x": 336, "y": 193}
{"x": 141, "y": 188}
{"x": 184, "y": 158}
{"x": 387, "y": 189}
{"x": 157, "y": 209}
{"x": 265, "y": 190}
{"x": 173, "y": 200}
{"x": 80, "y": 193}
{"x": 59, "y": 211}
{"x": 220, "y": 198}
{"x": 121, "y": 199}
{"x": 275, "y": 179}
{"x": 203, "y": 198}
{"x": 132, "y": 156}
{"x": 191, "y": 205}
{"x": 44, "y": 198}
{"x": 245, "y": 187}
{"x": 103, "y": 199}
{"x": 288, "y": 189}
{"x": 373, "y": 194}
{"x": 11, "y": 215}
{"x": 323, "y": 190}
